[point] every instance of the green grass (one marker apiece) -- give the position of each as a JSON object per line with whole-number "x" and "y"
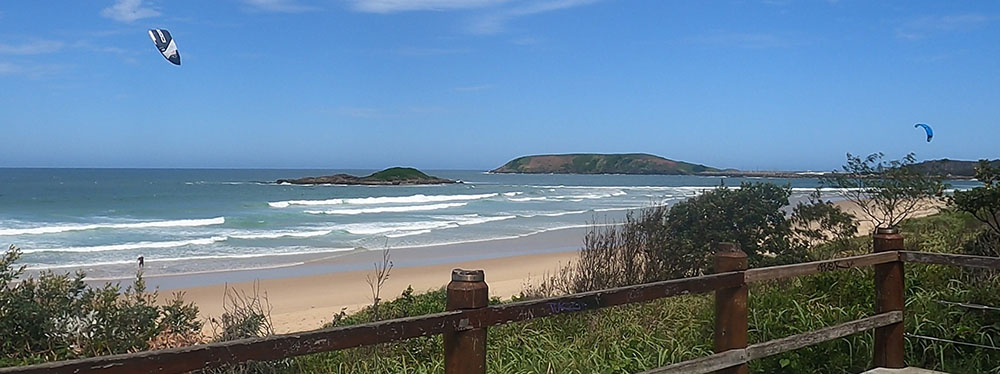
{"x": 398, "y": 173}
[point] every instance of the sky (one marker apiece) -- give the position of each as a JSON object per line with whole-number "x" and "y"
{"x": 471, "y": 84}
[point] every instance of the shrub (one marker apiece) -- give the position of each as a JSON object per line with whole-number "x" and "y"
{"x": 57, "y": 316}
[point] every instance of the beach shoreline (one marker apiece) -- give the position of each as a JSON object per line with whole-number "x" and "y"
{"x": 306, "y": 296}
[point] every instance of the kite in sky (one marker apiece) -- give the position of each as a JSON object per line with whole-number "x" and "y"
{"x": 166, "y": 45}
{"x": 930, "y": 133}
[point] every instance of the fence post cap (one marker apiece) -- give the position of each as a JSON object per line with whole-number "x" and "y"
{"x": 460, "y": 275}
{"x": 886, "y": 230}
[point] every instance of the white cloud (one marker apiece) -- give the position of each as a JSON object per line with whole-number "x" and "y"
{"x": 31, "y": 48}
{"x": 279, "y": 6}
{"x": 129, "y": 11}
{"x": 494, "y": 23}
{"x": 392, "y": 6}
{"x": 33, "y": 71}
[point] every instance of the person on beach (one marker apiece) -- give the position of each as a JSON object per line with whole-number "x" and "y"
{"x": 141, "y": 262}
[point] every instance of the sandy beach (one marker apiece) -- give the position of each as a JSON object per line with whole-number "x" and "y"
{"x": 305, "y": 297}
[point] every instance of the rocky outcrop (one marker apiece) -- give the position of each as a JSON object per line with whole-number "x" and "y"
{"x": 387, "y": 177}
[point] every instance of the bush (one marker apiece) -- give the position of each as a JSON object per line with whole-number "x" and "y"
{"x": 57, "y": 316}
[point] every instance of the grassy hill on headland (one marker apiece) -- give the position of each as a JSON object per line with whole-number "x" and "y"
{"x": 952, "y": 168}
{"x": 589, "y": 163}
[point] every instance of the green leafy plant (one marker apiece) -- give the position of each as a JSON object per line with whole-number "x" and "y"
{"x": 983, "y": 203}
{"x": 57, "y": 316}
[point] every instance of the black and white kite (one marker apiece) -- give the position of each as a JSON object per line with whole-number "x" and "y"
{"x": 166, "y": 45}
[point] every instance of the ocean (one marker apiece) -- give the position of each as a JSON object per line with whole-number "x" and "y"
{"x": 198, "y": 220}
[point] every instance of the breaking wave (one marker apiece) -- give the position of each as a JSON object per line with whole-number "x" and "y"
{"x": 413, "y": 199}
{"x": 132, "y": 225}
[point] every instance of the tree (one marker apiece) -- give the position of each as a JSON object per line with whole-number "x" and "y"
{"x": 887, "y": 192}
{"x": 984, "y": 204}
{"x": 750, "y": 216}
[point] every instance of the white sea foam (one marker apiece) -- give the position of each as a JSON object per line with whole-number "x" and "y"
{"x": 590, "y": 196}
{"x": 553, "y": 214}
{"x": 522, "y": 199}
{"x": 413, "y": 199}
{"x": 128, "y": 246}
{"x": 407, "y": 233}
{"x": 396, "y": 229}
{"x": 476, "y": 220}
{"x": 508, "y": 237}
{"x": 390, "y": 227}
{"x": 283, "y": 234}
{"x": 130, "y": 225}
{"x": 617, "y": 209}
{"x": 388, "y": 209}
{"x": 651, "y": 188}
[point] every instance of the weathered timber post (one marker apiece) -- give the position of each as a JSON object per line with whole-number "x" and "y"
{"x": 465, "y": 348}
{"x": 889, "y": 343}
{"x": 730, "y": 306}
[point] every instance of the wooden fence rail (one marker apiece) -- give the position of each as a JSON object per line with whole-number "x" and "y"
{"x": 464, "y": 325}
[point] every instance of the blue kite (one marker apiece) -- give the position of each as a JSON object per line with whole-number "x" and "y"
{"x": 930, "y": 133}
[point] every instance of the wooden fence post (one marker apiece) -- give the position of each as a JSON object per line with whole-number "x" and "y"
{"x": 889, "y": 296}
{"x": 731, "y": 306}
{"x": 465, "y": 349}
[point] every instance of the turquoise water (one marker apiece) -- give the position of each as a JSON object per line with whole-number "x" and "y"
{"x": 101, "y": 220}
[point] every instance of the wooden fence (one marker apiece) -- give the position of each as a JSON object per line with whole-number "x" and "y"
{"x": 465, "y": 324}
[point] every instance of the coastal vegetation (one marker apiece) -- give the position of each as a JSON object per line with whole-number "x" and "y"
{"x": 587, "y": 163}
{"x": 390, "y": 176}
{"x": 57, "y": 316}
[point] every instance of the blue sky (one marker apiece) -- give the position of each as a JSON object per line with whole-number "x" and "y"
{"x": 470, "y": 84}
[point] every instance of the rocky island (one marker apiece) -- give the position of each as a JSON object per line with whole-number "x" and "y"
{"x": 387, "y": 177}
{"x": 590, "y": 163}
